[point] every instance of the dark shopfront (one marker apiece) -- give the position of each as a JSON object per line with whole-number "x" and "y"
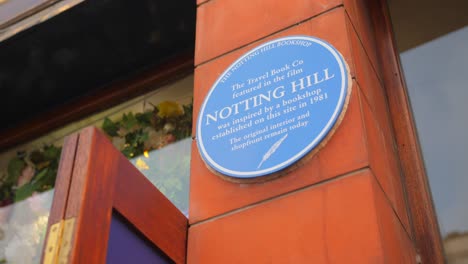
{"x": 387, "y": 187}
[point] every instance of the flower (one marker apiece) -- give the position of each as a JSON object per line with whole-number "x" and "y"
{"x": 170, "y": 109}
{"x": 168, "y": 127}
{"x": 141, "y": 164}
{"x": 155, "y": 139}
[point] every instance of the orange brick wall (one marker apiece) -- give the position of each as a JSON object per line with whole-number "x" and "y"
{"x": 346, "y": 204}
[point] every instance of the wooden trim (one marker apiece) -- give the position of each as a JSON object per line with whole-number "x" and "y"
{"x": 98, "y": 101}
{"x": 135, "y": 194}
{"x": 28, "y": 12}
{"x": 102, "y": 180}
{"x": 90, "y": 198}
{"x": 62, "y": 185}
{"x": 64, "y": 174}
{"x": 31, "y": 17}
{"x": 426, "y": 228}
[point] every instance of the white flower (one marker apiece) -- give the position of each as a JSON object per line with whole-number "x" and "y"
{"x": 168, "y": 127}
{"x": 155, "y": 139}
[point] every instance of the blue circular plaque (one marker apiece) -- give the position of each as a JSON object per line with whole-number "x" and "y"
{"x": 272, "y": 107}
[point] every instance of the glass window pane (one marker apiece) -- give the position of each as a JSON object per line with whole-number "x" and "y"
{"x": 27, "y": 178}
{"x": 434, "y": 60}
{"x": 155, "y": 135}
{"x": 22, "y": 228}
{"x": 436, "y": 77}
{"x": 152, "y": 130}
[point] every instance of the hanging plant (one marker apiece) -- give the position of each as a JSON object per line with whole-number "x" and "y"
{"x": 133, "y": 134}
{"x": 35, "y": 171}
{"x": 29, "y": 173}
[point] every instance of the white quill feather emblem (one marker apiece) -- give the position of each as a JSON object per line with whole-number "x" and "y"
{"x": 272, "y": 150}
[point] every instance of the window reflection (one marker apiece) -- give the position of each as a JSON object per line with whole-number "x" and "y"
{"x": 437, "y": 77}
{"x": 152, "y": 130}
{"x": 168, "y": 169}
{"x": 22, "y": 229}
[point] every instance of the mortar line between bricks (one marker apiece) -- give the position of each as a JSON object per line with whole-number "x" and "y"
{"x": 286, "y": 194}
{"x": 267, "y": 36}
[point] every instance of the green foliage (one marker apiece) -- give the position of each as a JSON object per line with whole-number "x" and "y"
{"x": 15, "y": 167}
{"x": 24, "y": 192}
{"x": 129, "y": 121}
{"x": 140, "y": 132}
{"x": 144, "y": 119}
{"x": 133, "y": 128}
{"x": 6, "y": 194}
{"x": 134, "y": 143}
{"x": 52, "y": 153}
{"x": 110, "y": 127}
{"x": 44, "y": 164}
